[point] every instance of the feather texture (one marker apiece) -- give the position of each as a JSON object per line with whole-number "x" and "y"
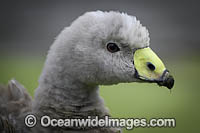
{"x": 76, "y": 64}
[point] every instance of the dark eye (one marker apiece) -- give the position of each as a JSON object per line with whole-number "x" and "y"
{"x": 112, "y": 47}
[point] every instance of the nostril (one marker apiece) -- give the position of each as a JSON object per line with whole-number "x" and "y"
{"x": 151, "y": 66}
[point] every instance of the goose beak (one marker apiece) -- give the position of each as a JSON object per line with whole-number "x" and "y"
{"x": 149, "y": 68}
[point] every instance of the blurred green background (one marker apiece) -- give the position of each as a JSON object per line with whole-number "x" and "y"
{"x": 132, "y": 100}
{"x": 28, "y": 28}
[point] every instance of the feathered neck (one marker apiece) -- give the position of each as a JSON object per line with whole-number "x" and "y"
{"x": 67, "y": 98}
{"x": 60, "y": 87}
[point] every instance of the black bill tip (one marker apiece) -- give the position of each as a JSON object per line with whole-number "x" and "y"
{"x": 167, "y": 82}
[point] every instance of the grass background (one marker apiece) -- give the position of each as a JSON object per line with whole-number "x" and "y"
{"x": 133, "y": 100}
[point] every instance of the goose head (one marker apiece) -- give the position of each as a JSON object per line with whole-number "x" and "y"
{"x": 104, "y": 48}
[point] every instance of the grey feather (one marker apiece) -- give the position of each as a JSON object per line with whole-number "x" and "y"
{"x": 77, "y": 63}
{"x": 15, "y": 102}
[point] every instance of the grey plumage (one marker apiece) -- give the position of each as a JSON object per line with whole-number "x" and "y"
{"x": 15, "y": 102}
{"x": 76, "y": 64}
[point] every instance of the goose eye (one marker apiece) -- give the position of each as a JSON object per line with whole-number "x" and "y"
{"x": 112, "y": 47}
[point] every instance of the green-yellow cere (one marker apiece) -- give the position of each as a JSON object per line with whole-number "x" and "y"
{"x": 142, "y": 57}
